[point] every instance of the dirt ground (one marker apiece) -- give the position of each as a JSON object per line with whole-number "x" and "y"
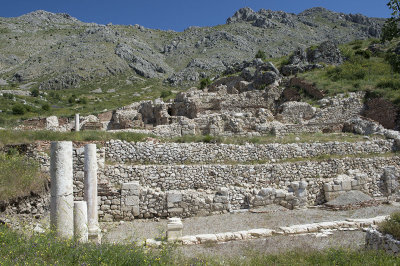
{"x": 272, "y": 217}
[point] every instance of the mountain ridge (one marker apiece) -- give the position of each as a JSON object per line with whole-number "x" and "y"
{"x": 57, "y": 51}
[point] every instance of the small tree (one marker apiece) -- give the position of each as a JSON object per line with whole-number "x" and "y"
{"x": 18, "y": 109}
{"x": 261, "y": 54}
{"x": 46, "y": 107}
{"x": 390, "y": 30}
{"x": 35, "y": 92}
{"x": 204, "y": 83}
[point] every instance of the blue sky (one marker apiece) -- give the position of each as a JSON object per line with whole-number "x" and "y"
{"x": 179, "y": 14}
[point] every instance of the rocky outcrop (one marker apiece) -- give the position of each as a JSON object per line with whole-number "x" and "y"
{"x": 141, "y": 66}
{"x": 305, "y": 60}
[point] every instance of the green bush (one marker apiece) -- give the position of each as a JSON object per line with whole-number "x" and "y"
{"x": 261, "y": 54}
{"x": 166, "y": 93}
{"x": 204, "y": 83}
{"x": 8, "y": 96}
{"x": 363, "y": 53}
{"x": 394, "y": 60}
{"x": 18, "y": 109}
{"x": 46, "y": 107}
{"x": 83, "y": 100}
{"x": 391, "y": 226}
{"x": 72, "y": 99}
{"x": 35, "y": 92}
{"x": 389, "y": 83}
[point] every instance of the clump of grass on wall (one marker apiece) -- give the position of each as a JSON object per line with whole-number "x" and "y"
{"x": 19, "y": 176}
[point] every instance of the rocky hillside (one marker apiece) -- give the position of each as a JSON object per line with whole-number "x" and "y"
{"x": 57, "y": 51}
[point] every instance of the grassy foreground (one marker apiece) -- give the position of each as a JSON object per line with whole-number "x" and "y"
{"x": 16, "y": 249}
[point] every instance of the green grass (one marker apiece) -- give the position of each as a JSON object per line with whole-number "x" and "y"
{"x": 65, "y": 103}
{"x": 358, "y": 73}
{"x": 391, "y": 226}
{"x": 45, "y": 249}
{"x": 19, "y": 176}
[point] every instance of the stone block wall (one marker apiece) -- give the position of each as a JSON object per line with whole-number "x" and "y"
{"x": 145, "y": 180}
{"x": 178, "y": 153}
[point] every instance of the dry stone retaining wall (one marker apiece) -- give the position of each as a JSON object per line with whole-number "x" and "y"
{"x": 171, "y": 188}
{"x": 165, "y": 153}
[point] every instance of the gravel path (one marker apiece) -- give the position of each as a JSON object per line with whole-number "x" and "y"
{"x": 271, "y": 218}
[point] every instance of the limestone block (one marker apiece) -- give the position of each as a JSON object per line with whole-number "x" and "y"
{"x": 332, "y": 195}
{"x": 328, "y": 187}
{"x": 280, "y": 193}
{"x": 174, "y": 229}
{"x": 223, "y": 191}
{"x": 189, "y": 240}
{"x": 260, "y": 232}
{"x": 346, "y": 185}
{"x": 131, "y": 200}
{"x": 266, "y": 192}
{"x": 132, "y": 187}
{"x": 175, "y": 211}
{"x": 174, "y": 197}
{"x": 303, "y": 184}
{"x": 207, "y": 238}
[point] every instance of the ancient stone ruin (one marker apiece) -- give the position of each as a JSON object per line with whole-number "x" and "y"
{"x": 70, "y": 218}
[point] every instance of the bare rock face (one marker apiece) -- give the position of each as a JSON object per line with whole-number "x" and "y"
{"x": 327, "y": 53}
{"x": 140, "y": 65}
{"x": 305, "y": 60}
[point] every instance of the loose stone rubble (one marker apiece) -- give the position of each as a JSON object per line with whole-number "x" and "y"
{"x": 375, "y": 240}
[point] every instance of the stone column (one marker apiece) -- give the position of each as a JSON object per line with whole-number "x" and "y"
{"x": 174, "y": 229}
{"x": 62, "y": 198}
{"x": 77, "y": 125}
{"x": 90, "y": 194}
{"x": 80, "y": 221}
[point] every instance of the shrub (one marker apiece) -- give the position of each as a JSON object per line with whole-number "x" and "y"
{"x": 364, "y": 53}
{"x": 391, "y": 226}
{"x": 35, "y": 92}
{"x": 46, "y": 107}
{"x": 392, "y": 84}
{"x": 72, "y": 99}
{"x": 394, "y": 60}
{"x": 165, "y": 94}
{"x": 83, "y": 100}
{"x": 18, "y": 109}
{"x": 205, "y": 83}
{"x": 8, "y": 96}
{"x": 261, "y": 54}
